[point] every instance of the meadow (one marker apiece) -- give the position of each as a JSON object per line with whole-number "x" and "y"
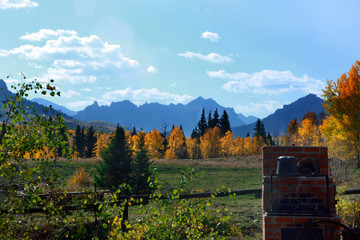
{"x": 215, "y": 175}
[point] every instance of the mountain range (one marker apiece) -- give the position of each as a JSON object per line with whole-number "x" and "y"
{"x": 154, "y": 115}
{"x": 151, "y": 116}
{"x": 277, "y": 122}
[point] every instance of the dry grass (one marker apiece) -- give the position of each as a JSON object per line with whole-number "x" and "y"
{"x": 250, "y": 161}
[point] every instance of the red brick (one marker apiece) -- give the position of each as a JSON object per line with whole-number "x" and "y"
{"x": 312, "y": 149}
{"x": 321, "y": 182}
{"x": 275, "y": 226}
{"x": 295, "y": 149}
{"x": 290, "y": 181}
{"x": 320, "y": 156}
{"x": 323, "y": 149}
{"x": 284, "y": 220}
{"x": 316, "y": 188}
{"x": 302, "y": 220}
{"x": 299, "y": 156}
{"x": 307, "y": 182}
{"x": 283, "y": 188}
{"x": 277, "y": 149}
{"x": 271, "y": 156}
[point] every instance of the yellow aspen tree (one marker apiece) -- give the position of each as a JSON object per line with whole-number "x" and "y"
{"x": 248, "y": 146}
{"x": 308, "y": 133}
{"x": 176, "y": 142}
{"x": 293, "y": 131}
{"x": 237, "y": 148}
{"x": 210, "y": 143}
{"x": 342, "y": 102}
{"x": 103, "y": 141}
{"x": 154, "y": 143}
{"x": 258, "y": 143}
{"x": 338, "y": 145}
{"x": 226, "y": 144}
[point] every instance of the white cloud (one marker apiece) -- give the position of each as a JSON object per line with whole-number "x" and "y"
{"x": 5, "y": 4}
{"x": 140, "y": 96}
{"x": 211, "y": 57}
{"x": 258, "y": 108}
{"x": 268, "y": 82}
{"x": 173, "y": 84}
{"x": 47, "y": 34}
{"x": 69, "y": 94}
{"x": 72, "y": 58}
{"x": 152, "y": 69}
{"x": 214, "y": 37}
{"x": 79, "y": 105}
{"x": 86, "y": 90}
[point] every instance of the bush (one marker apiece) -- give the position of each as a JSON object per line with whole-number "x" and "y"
{"x": 81, "y": 180}
{"x": 348, "y": 209}
{"x": 174, "y": 218}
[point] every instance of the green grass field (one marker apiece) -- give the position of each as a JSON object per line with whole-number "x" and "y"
{"x": 234, "y": 173}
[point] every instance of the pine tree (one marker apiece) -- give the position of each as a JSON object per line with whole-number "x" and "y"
{"x": 202, "y": 126}
{"x": 270, "y": 139}
{"x": 90, "y": 142}
{"x": 134, "y": 132}
{"x": 215, "y": 119}
{"x": 79, "y": 141}
{"x": 257, "y": 129}
{"x": 195, "y": 133}
{"x": 224, "y": 124}
{"x": 141, "y": 168}
{"x": 116, "y": 166}
{"x": 209, "y": 120}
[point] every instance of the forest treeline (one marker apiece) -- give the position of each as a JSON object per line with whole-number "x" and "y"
{"x": 211, "y": 138}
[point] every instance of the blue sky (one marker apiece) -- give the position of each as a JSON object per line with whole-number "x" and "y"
{"x": 254, "y": 56}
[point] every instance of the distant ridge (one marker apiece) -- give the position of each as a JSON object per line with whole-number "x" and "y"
{"x": 277, "y": 122}
{"x": 54, "y": 105}
{"x": 151, "y": 116}
{"x": 71, "y": 122}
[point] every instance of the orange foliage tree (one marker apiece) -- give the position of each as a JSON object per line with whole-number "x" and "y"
{"x": 210, "y": 143}
{"x": 176, "y": 144}
{"x": 342, "y": 102}
{"x": 154, "y": 143}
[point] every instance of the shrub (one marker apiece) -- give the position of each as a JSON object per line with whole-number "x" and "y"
{"x": 80, "y": 180}
{"x": 349, "y": 210}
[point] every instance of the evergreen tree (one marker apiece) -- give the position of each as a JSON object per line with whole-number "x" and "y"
{"x": 248, "y": 134}
{"x": 215, "y": 119}
{"x": 270, "y": 139}
{"x": 263, "y": 132}
{"x": 116, "y": 166}
{"x": 209, "y": 120}
{"x": 195, "y": 133}
{"x": 165, "y": 141}
{"x": 79, "y": 141}
{"x": 257, "y": 129}
{"x": 202, "y": 126}
{"x": 224, "y": 124}
{"x": 141, "y": 168}
{"x": 183, "y": 154}
{"x": 134, "y": 132}
{"x": 90, "y": 142}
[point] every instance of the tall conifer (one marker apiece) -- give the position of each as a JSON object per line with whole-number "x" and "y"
{"x": 224, "y": 124}
{"x": 116, "y": 166}
{"x": 90, "y": 142}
